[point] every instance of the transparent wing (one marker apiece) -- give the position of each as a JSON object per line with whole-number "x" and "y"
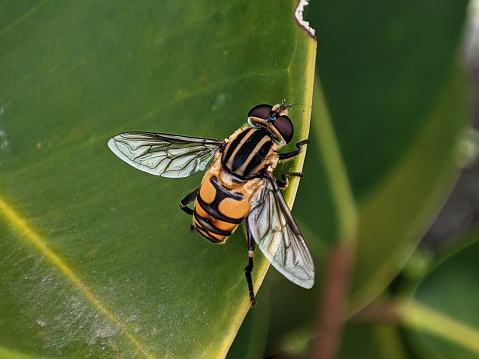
{"x": 277, "y": 234}
{"x": 164, "y": 155}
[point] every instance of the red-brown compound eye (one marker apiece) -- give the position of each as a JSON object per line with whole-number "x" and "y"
{"x": 285, "y": 127}
{"x": 261, "y": 111}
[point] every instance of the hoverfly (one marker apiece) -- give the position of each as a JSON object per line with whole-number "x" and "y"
{"x": 239, "y": 184}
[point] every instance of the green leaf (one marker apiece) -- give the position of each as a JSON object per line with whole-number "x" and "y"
{"x": 252, "y": 336}
{"x": 442, "y": 316}
{"x": 97, "y": 257}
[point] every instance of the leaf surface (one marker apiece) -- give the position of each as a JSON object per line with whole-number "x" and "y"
{"x": 97, "y": 258}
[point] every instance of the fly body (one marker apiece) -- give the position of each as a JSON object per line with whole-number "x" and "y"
{"x": 238, "y": 185}
{"x": 248, "y": 152}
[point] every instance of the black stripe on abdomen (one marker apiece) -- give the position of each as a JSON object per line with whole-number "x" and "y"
{"x": 206, "y": 224}
{"x": 213, "y": 211}
{"x": 209, "y": 220}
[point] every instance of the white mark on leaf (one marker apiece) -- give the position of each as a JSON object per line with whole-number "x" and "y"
{"x": 4, "y": 143}
{"x": 299, "y": 16}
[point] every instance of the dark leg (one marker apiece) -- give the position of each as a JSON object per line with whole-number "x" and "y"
{"x": 286, "y": 156}
{"x": 188, "y": 199}
{"x": 249, "y": 267}
{"x": 285, "y": 176}
{"x": 283, "y": 104}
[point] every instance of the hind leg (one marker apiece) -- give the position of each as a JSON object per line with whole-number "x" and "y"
{"x": 190, "y": 197}
{"x": 249, "y": 268}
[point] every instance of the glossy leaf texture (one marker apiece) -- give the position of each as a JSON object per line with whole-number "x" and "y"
{"x": 97, "y": 259}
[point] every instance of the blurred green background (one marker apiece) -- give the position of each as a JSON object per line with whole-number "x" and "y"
{"x": 398, "y": 91}
{"x": 96, "y": 260}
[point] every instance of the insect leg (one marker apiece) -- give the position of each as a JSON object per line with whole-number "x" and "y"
{"x": 286, "y": 156}
{"x": 249, "y": 267}
{"x": 285, "y": 176}
{"x": 188, "y": 199}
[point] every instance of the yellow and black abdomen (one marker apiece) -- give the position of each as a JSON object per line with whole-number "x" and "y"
{"x": 218, "y": 211}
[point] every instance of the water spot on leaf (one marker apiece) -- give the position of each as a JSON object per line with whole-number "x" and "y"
{"x": 217, "y": 102}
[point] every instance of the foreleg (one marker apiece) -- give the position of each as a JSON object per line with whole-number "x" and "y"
{"x": 287, "y": 156}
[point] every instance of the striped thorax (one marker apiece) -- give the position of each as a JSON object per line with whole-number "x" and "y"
{"x": 248, "y": 151}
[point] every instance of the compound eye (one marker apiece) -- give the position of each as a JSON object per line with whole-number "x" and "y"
{"x": 261, "y": 111}
{"x": 285, "y": 127}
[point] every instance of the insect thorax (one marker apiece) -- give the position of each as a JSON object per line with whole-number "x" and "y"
{"x": 248, "y": 151}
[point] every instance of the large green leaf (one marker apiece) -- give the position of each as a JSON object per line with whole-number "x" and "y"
{"x": 97, "y": 259}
